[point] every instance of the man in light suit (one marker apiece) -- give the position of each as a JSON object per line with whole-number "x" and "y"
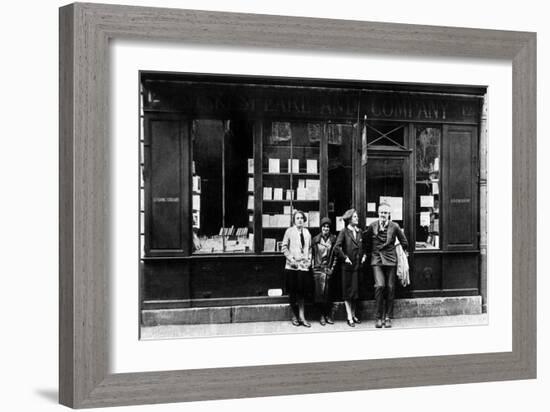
{"x": 379, "y": 241}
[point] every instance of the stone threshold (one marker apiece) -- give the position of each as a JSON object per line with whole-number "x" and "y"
{"x": 404, "y": 308}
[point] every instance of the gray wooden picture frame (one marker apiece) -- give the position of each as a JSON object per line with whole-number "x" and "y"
{"x": 85, "y": 31}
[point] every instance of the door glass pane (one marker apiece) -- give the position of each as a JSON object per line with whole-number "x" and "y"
{"x": 385, "y": 184}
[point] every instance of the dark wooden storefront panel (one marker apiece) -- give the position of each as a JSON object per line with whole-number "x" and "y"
{"x": 461, "y": 271}
{"x": 426, "y": 273}
{"x": 236, "y": 277}
{"x": 166, "y": 188}
{"x": 166, "y": 279}
{"x": 212, "y": 277}
{"x": 460, "y": 198}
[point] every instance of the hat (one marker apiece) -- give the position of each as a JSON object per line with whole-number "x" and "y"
{"x": 349, "y": 213}
{"x": 326, "y": 221}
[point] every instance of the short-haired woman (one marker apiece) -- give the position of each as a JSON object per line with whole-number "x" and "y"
{"x": 296, "y": 247}
{"x": 323, "y": 268}
{"x": 349, "y": 248}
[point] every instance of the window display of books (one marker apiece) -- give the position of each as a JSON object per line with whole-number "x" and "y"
{"x": 291, "y": 180}
{"x": 292, "y": 166}
{"x": 428, "y": 149}
{"x": 250, "y": 202}
{"x": 229, "y": 239}
{"x": 196, "y": 200}
{"x": 427, "y": 206}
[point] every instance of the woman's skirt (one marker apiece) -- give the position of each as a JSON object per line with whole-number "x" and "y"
{"x": 350, "y": 284}
{"x": 321, "y": 286}
{"x": 296, "y": 284}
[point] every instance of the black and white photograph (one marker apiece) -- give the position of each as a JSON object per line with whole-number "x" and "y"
{"x": 275, "y": 206}
{"x": 278, "y": 205}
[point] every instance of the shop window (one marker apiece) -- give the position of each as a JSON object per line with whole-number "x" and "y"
{"x": 290, "y": 177}
{"x": 340, "y": 172}
{"x": 222, "y": 187}
{"x": 428, "y": 187}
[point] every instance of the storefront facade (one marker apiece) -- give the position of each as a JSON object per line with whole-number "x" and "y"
{"x": 225, "y": 160}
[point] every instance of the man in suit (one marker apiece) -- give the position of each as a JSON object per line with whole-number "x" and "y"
{"x": 379, "y": 241}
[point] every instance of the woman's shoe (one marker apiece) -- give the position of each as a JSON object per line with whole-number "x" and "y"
{"x": 305, "y": 323}
{"x": 350, "y": 323}
{"x": 322, "y": 321}
{"x": 295, "y": 322}
{"x": 330, "y": 321}
{"x": 356, "y": 319}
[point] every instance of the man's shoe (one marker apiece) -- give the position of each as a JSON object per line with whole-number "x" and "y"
{"x": 378, "y": 323}
{"x": 322, "y": 321}
{"x": 387, "y": 323}
{"x": 295, "y": 321}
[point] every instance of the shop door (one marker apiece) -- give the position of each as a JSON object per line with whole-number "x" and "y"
{"x": 386, "y": 181}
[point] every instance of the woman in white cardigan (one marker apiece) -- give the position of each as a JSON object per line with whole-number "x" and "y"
{"x": 297, "y": 250}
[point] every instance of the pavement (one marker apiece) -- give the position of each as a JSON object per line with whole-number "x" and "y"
{"x": 278, "y": 327}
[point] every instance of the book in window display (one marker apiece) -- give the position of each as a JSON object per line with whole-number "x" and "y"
{"x": 293, "y": 165}
{"x": 274, "y": 166}
{"x": 278, "y": 193}
{"x": 269, "y": 244}
{"x": 312, "y": 166}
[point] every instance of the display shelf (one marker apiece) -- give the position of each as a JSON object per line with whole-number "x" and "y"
{"x": 298, "y": 147}
{"x": 293, "y": 174}
{"x": 289, "y": 201}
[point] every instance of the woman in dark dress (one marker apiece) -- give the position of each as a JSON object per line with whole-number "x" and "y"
{"x": 349, "y": 249}
{"x": 322, "y": 247}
